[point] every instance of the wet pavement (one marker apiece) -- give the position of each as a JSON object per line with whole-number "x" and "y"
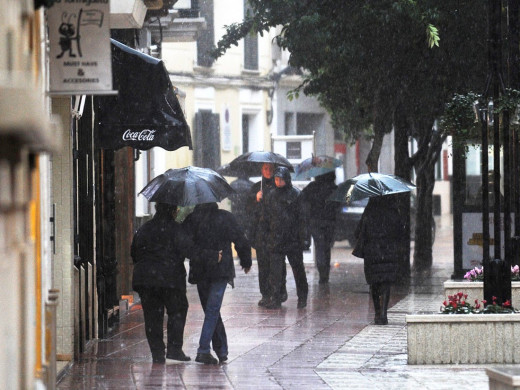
{"x": 332, "y": 344}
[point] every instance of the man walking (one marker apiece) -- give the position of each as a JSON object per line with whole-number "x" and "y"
{"x": 258, "y": 232}
{"x": 215, "y": 229}
{"x": 287, "y": 237}
{"x": 158, "y": 251}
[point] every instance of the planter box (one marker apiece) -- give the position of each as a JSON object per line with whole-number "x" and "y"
{"x": 475, "y": 290}
{"x": 463, "y": 338}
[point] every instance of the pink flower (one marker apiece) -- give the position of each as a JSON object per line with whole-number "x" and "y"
{"x": 460, "y": 294}
{"x": 445, "y": 303}
{"x": 506, "y": 303}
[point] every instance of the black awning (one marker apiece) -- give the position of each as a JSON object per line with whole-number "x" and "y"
{"x": 146, "y": 112}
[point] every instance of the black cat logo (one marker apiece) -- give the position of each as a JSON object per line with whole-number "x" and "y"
{"x": 67, "y": 32}
{"x": 70, "y": 32}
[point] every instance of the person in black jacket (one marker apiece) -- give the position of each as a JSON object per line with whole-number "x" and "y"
{"x": 215, "y": 229}
{"x": 287, "y": 237}
{"x": 321, "y": 218}
{"x": 380, "y": 234}
{"x": 257, "y": 231}
{"x": 158, "y": 251}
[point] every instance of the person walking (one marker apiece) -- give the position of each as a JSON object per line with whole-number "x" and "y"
{"x": 158, "y": 250}
{"x": 287, "y": 237}
{"x": 212, "y": 228}
{"x": 257, "y": 232}
{"x": 379, "y": 237}
{"x": 321, "y": 219}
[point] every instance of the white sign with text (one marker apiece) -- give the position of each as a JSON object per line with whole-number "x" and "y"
{"x": 79, "y": 50}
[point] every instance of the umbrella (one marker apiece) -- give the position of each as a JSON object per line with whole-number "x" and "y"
{"x": 250, "y": 163}
{"x": 146, "y": 112}
{"x": 187, "y": 187}
{"x": 316, "y": 166}
{"x": 239, "y": 171}
{"x": 368, "y": 185}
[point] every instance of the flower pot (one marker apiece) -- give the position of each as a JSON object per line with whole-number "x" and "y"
{"x": 475, "y": 290}
{"x": 463, "y": 338}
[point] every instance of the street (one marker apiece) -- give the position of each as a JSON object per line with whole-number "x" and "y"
{"x": 332, "y": 344}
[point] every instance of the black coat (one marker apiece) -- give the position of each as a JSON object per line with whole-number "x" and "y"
{"x": 257, "y": 229}
{"x": 286, "y": 226}
{"x": 318, "y": 211}
{"x": 212, "y": 228}
{"x": 380, "y": 239}
{"x": 158, "y": 250}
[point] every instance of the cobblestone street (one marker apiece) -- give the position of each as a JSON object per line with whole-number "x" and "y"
{"x": 332, "y": 344}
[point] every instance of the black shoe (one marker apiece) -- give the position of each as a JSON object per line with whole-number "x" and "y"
{"x": 158, "y": 360}
{"x": 222, "y": 359}
{"x": 283, "y": 296}
{"x": 302, "y": 303}
{"x": 272, "y": 304}
{"x": 206, "y": 358}
{"x": 324, "y": 279}
{"x": 177, "y": 354}
{"x": 263, "y": 301}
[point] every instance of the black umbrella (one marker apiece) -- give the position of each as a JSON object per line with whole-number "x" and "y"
{"x": 146, "y": 112}
{"x": 187, "y": 187}
{"x": 250, "y": 163}
{"x": 245, "y": 171}
{"x": 368, "y": 185}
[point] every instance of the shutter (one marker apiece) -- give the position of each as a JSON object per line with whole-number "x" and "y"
{"x": 206, "y": 40}
{"x": 207, "y": 140}
{"x": 250, "y": 44}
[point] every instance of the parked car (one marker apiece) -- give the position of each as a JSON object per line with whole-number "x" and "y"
{"x": 347, "y": 220}
{"x": 350, "y": 214}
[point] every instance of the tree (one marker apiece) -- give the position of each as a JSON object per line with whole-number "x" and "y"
{"x": 378, "y": 65}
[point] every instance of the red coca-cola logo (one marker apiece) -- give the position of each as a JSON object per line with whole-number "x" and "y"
{"x": 143, "y": 135}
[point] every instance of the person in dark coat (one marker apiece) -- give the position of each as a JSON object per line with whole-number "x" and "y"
{"x": 321, "y": 219}
{"x": 215, "y": 229}
{"x": 158, "y": 251}
{"x": 239, "y": 201}
{"x": 258, "y": 233}
{"x": 287, "y": 237}
{"x": 380, "y": 233}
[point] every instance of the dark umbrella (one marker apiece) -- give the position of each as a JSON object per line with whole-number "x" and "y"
{"x": 369, "y": 185}
{"x": 316, "y": 166}
{"x": 239, "y": 171}
{"x": 146, "y": 112}
{"x": 250, "y": 163}
{"x": 187, "y": 187}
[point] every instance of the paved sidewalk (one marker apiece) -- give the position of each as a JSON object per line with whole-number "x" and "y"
{"x": 332, "y": 344}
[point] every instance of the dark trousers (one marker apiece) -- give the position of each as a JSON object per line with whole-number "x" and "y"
{"x": 278, "y": 271}
{"x": 323, "y": 235}
{"x": 264, "y": 270}
{"x": 153, "y": 301}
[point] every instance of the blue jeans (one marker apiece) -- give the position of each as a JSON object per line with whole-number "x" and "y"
{"x": 211, "y": 294}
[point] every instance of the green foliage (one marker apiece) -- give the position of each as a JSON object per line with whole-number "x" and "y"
{"x": 433, "y": 35}
{"x": 509, "y": 101}
{"x": 460, "y": 118}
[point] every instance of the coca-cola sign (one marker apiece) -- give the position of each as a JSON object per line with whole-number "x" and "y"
{"x": 143, "y": 135}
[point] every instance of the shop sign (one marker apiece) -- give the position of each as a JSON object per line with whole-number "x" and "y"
{"x": 79, "y": 47}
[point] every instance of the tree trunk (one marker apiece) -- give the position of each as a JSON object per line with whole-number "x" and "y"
{"x": 403, "y": 169}
{"x": 429, "y": 149}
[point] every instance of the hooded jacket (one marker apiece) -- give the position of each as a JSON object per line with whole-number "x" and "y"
{"x": 287, "y": 230}
{"x": 215, "y": 229}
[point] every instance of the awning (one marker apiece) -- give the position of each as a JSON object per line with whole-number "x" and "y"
{"x": 146, "y": 112}
{"x": 22, "y": 114}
